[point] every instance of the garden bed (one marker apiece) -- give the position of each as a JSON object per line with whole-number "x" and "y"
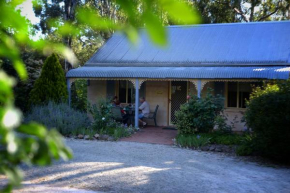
{"x": 214, "y": 142}
{"x": 112, "y": 134}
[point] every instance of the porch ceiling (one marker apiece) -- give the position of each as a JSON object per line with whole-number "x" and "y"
{"x": 261, "y": 72}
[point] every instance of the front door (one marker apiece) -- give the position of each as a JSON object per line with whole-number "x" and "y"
{"x": 177, "y": 97}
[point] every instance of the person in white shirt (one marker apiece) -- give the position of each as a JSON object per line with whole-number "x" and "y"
{"x": 145, "y": 110}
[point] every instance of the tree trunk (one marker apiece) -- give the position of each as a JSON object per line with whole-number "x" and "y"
{"x": 69, "y": 16}
{"x": 288, "y": 11}
{"x": 253, "y": 4}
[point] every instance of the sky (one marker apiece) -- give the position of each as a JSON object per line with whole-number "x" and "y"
{"x": 27, "y": 11}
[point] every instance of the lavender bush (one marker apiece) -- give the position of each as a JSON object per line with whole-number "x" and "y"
{"x": 60, "y": 116}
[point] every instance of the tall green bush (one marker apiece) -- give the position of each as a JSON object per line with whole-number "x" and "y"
{"x": 79, "y": 95}
{"x": 198, "y": 115}
{"x": 51, "y": 83}
{"x": 268, "y": 115}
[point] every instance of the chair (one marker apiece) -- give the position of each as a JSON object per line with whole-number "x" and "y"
{"x": 153, "y": 115}
{"x": 117, "y": 114}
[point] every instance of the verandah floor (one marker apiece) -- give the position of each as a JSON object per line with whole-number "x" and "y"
{"x": 155, "y": 135}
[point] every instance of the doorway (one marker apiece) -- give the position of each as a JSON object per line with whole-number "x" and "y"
{"x": 177, "y": 97}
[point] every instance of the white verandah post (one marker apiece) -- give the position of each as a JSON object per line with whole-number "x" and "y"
{"x": 136, "y": 102}
{"x": 198, "y": 88}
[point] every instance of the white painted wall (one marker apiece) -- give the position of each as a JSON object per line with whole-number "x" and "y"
{"x": 157, "y": 94}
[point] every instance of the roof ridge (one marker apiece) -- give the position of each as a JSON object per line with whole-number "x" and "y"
{"x": 237, "y": 23}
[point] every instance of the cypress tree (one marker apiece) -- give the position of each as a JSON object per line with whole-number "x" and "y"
{"x": 51, "y": 85}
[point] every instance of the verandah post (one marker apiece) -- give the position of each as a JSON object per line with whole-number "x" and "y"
{"x": 69, "y": 91}
{"x": 136, "y": 102}
{"x": 198, "y": 88}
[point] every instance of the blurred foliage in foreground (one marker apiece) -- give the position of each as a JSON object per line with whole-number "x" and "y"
{"x": 32, "y": 143}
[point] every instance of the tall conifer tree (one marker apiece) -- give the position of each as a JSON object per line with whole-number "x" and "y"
{"x": 51, "y": 83}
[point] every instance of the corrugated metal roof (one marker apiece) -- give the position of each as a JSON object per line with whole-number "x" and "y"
{"x": 240, "y": 44}
{"x": 278, "y": 72}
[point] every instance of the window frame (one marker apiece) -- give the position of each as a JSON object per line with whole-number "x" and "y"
{"x": 118, "y": 90}
{"x": 127, "y": 91}
{"x": 238, "y": 96}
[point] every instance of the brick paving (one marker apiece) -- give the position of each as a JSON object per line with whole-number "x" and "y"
{"x": 155, "y": 135}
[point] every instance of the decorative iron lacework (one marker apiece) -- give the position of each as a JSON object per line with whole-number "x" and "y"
{"x": 194, "y": 81}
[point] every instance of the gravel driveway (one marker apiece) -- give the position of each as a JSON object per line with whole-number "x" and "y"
{"x": 136, "y": 167}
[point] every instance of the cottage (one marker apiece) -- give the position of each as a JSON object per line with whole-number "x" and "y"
{"x": 228, "y": 58}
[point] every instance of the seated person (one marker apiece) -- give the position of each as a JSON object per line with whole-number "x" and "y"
{"x": 145, "y": 110}
{"x": 114, "y": 101}
{"x": 124, "y": 114}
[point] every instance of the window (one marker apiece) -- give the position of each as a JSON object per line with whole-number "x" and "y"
{"x": 127, "y": 91}
{"x": 238, "y": 93}
{"x": 244, "y": 93}
{"x": 232, "y": 94}
{"x": 123, "y": 91}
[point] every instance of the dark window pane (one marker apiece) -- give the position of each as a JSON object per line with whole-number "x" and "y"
{"x": 122, "y": 91}
{"x": 219, "y": 88}
{"x": 142, "y": 91}
{"x": 110, "y": 89}
{"x": 131, "y": 92}
{"x": 130, "y": 95}
{"x": 245, "y": 88}
{"x": 232, "y": 94}
{"x": 232, "y": 99}
{"x": 242, "y": 99}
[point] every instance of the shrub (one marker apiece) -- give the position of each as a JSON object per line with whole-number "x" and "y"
{"x": 79, "y": 95}
{"x": 60, "y": 116}
{"x": 222, "y": 126}
{"x": 50, "y": 86}
{"x": 268, "y": 115}
{"x": 101, "y": 112}
{"x": 198, "y": 115}
{"x": 123, "y": 131}
{"x": 195, "y": 141}
{"x": 104, "y": 123}
{"x": 225, "y": 139}
{"x": 246, "y": 147}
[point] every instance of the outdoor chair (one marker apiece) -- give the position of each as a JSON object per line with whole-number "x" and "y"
{"x": 153, "y": 115}
{"x": 117, "y": 114}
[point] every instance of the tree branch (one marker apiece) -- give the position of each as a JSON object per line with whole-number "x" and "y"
{"x": 266, "y": 16}
{"x": 242, "y": 14}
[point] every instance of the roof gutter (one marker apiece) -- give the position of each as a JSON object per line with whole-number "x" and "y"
{"x": 189, "y": 64}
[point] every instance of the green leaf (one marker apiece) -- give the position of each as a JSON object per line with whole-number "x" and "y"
{"x": 68, "y": 29}
{"x": 91, "y": 18}
{"x": 20, "y": 69}
{"x": 33, "y": 129}
{"x": 128, "y": 6}
{"x": 42, "y": 157}
{"x": 155, "y": 29}
{"x": 15, "y": 3}
{"x": 180, "y": 12}
{"x": 14, "y": 174}
{"x": 132, "y": 34}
